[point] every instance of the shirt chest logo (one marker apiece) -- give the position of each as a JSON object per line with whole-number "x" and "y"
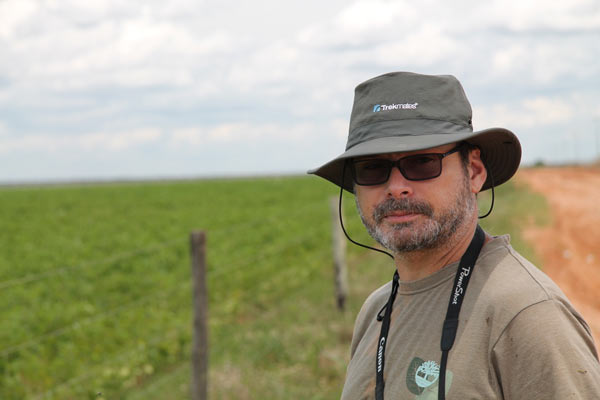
{"x": 422, "y": 378}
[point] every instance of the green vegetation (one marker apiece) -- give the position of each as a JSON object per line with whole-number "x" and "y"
{"x": 95, "y": 289}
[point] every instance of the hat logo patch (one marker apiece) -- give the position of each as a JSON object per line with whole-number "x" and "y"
{"x": 400, "y": 106}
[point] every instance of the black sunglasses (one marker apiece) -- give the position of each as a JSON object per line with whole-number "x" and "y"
{"x": 418, "y": 167}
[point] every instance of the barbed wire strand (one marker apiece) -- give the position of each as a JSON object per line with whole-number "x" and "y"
{"x": 9, "y": 283}
{"x": 86, "y": 264}
{"x": 82, "y": 322}
{"x": 113, "y": 311}
{"x": 263, "y": 255}
{"x": 283, "y": 224}
{"x": 289, "y": 295}
{"x": 160, "y": 382}
{"x": 93, "y": 318}
{"x": 110, "y": 361}
{"x": 289, "y": 290}
{"x": 271, "y": 217}
{"x": 293, "y": 290}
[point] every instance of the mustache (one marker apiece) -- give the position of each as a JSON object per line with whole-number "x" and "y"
{"x": 405, "y": 205}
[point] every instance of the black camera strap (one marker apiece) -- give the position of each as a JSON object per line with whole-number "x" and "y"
{"x": 385, "y": 328}
{"x": 461, "y": 281}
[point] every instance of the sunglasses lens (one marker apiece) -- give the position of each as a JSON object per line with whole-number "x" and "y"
{"x": 415, "y": 168}
{"x": 421, "y": 166}
{"x": 371, "y": 172}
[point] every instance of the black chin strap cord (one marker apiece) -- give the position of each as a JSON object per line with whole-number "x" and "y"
{"x": 450, "y": 327}
{"x": 491, "y": 205}
{"x": 342, "y": 221}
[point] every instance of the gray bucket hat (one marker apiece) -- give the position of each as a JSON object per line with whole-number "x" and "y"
{"x": 404, "y": 111}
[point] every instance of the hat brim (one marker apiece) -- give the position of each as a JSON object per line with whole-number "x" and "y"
{"x": 500, "y": 149}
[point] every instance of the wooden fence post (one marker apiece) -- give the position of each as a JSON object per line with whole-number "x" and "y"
{"x": 339, "y": 254}
{"x": 199, "y": 385}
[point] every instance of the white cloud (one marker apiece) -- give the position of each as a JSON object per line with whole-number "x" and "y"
{"x": 85, "y": 46}
{"x": 368, "y": 38}
{"x": 424, "y": 46}
{"x": 366, "y": 16}
{"x": 238, "y": 133}
{"x": 539, "y": 14}
{"x": 119, "y": 141}
{"x": 543, "y": 63}
{"x": 13, "y": 14}
{"x": 539, "y": 111}
{"x": 227, "y": 73}
{"x": 97, "y": 141}
{"x": 133, "y": 45}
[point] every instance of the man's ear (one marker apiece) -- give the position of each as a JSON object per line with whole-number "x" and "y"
{"x": 477, "y": 171}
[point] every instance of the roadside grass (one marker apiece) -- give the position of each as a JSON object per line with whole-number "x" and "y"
{"x": 95, "y": 291}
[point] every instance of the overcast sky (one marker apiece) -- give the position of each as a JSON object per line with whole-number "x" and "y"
{"x": 103, "y": 89}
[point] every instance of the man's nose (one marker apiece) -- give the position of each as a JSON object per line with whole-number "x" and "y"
{"x": 398, "y": 185}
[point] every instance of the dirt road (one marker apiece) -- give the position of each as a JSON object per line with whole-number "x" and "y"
{"x": 570, "y": 246}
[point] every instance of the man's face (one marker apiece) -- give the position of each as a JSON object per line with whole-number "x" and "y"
{"x": 405, "y": 216}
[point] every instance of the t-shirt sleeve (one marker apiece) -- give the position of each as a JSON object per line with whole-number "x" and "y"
{"x": 546, "y": 352}
{"x": 361, "y": 325}
{"x": 367, "y": 313}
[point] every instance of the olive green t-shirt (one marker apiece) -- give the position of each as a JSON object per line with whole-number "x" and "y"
{"x": 518, "y": 337}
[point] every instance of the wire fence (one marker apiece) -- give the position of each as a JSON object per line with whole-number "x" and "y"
{"x": 236, "y": 278}
{"x": 29, "y": 278}
{"x": 111, "y": 360}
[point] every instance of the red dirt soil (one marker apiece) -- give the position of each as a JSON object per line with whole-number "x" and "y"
{"x": 569, "y": 247}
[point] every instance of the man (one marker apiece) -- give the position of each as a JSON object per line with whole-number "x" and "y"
{"x": 464, "y": 311}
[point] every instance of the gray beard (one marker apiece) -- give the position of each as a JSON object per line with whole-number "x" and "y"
{"x": 436, "y": 231}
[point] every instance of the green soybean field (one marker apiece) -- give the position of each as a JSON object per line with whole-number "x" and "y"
{"x": 96, "y": 288}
